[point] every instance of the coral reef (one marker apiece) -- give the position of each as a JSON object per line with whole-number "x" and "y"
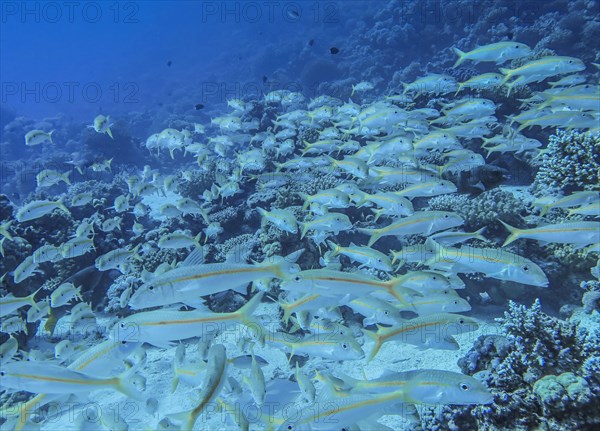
{"x": 571, "y": 162}
{"x": 539, "y": 370}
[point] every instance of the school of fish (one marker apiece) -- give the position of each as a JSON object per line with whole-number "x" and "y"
{"x": 363, "y": 296}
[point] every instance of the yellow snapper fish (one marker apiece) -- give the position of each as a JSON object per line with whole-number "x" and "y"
{"x": 432, "y": 83}
{"x": 423, "y": 386}
{"x": 10, "y": 303}
{"x": 494, "y": 263}
{"x": 591, "y": 209}
{"x": 329, "y": 282}
{"x": 41, "y": 309}
{"x": 421, "y": 222}
{"x": 102, "y": 124}
{"x": 483, "y": 81}
{"x": 216, "y": 377}
{"x": 8, "y": 349}
{"x": 454, "y": 237}
{"x": 161, "y": 327}
{"x": 191, "y": 280}
{"x": 36, "y": 209}
{"x": 390, "y": 203}
{"x": 331, "y": 198}
{"x": 572, "y": 200}
{"x": 427, "y": 189}
{"x": 103, "y": 166}
{"x": 374, "y": 310}
{"x": 578, "y": 233}
{"x": 4, "y": 230}
{"x": 98, "y": 360}
{"x": 37, "y": 137}
{"x": 542, "y": 68}
{"x": 49, "y": 177}
{"x": 430, "y": 331}
{"x": 330, "y": 222}
{"x": 114, "y": 258}
{"x": 361, "y": 87}
{"x": 179, "y": 239}
{"x": 81, "y": 199}
{"x": 42, "y": 377}
{"x": 63, "y": 294}
{"x": 26, "y": 269}
{"x": 366, "y": 256}
{"x": 328, "y": 346}
{"x": 282, "y": 218}
{"x": 256, "y": 383}
{"x": 499, "y": 52}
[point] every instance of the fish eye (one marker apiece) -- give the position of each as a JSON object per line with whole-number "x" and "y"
{"x": 455, "y": 302}
{"x": 464, "y": 386}
{"x": 123, "y": 342}
{"x": 445, "y": 215}
{"x": 525, "y": 268}
{"x": 386, "y": 312}
{"x": 289, "y": 427}
{"x": 2, "y": 373}
{"x": 150, "y": 287}
{"x": 297, "y": 278}
{"x": 344, "y": 346}
{"x": 379, "y": 260}
{"x": 122, "y": 325}
{"x": 461, "y": 321}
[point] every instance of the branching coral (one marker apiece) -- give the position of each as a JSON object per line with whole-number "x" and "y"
{"x": 572, "y": 162}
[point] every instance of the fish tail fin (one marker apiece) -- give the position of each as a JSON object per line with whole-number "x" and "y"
{"x": 50, "y": 136}
{"x": 461, "y": 57}
{"x": 250, "y": 307}
{"x": 378, "y": 213}
{"x": 514, "y": 233}
{"x": 524, "y": 125}
{"x": 478, "y": 234}
{"x": 304, "y": 228}
{"x": 460, "y": 87}
{"x": 197, "y": 240}
{"x": 306, "y": 201}
{"x": 507, "y": 75}
{"x": 109, "y": 132}
{"x": 335, "y": 249}
{"x": 263, "y": 213}
{"x": 353, "y": 91}
{"x": 65, "y": 177}
{"x": 31, "y": 299}
{"x": 372, "y": 232}
{"x": 378, "y": 342}
{"x": 125, "y": 384}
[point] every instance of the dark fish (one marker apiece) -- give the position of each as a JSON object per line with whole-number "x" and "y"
{"x": 334, "y": 50}
{"x": 264, "y": 78}
{"x": 311, "y": 42}
{"x": 169, "y": 63}
{"x": 199, "y": 106}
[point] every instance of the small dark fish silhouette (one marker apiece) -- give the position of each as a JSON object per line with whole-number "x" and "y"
{"x": 334, "y": 50}
{"x": 199, "y": 106}
{"x": 264, "y": 79}
{"x": 311, "y": 42}
{"x": 169, "y": 63}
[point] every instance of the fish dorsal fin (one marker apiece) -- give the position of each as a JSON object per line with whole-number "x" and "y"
{"x": 196, "y": 257}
